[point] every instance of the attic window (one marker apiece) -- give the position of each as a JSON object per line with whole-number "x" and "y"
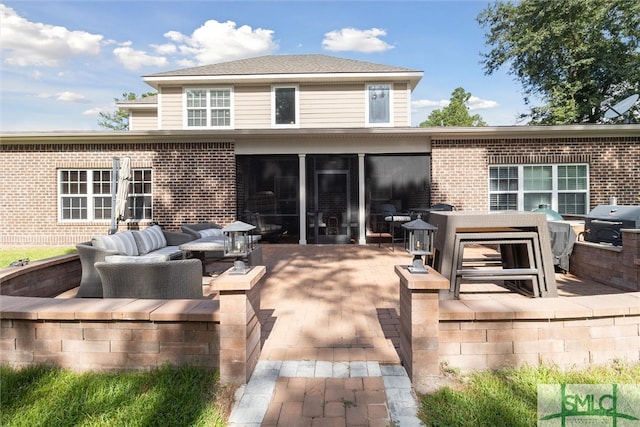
{"x": 208, "y": 108}
{"x": 285, "y": 106}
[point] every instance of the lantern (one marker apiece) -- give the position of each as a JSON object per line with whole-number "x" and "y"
{"x": 419, "y": 243}
{"x": 238, "y": 243}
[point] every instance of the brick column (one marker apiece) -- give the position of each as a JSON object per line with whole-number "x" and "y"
{"x": 239, "y": 323}
{"x": 419, "y": 328}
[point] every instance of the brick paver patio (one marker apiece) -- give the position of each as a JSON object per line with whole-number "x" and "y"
{"x": 330, "y": 334}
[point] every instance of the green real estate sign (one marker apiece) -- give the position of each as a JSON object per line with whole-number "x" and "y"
{"x": 614, "y": 405}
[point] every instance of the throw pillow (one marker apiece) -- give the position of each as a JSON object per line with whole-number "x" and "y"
{"x": 211, "y": 232}
{"x": 149, "y": 239}
{"x": 122, "y": 242}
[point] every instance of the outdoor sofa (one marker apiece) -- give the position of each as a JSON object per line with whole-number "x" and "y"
{"x": 180, "y": 279}
{"x": 150, "y": 245}
{"x": 203, "y": 229}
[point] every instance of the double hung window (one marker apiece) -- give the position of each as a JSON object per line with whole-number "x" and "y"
{"x": 86, "y": 195}
{"x": 378, "y": 105}
{"x": 563, "y": 187}
{"x": 285, "y": 101}
{"x": 208, "y": 108}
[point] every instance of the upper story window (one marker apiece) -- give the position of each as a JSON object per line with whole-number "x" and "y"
{"x": 563, "y": 187}
{"x": 378, "y": 105}
{"x": 85, "y": 195}
{"x": 285, "y": 101}
{"x": 208, "y": 108}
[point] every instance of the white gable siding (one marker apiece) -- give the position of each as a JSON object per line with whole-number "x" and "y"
{"x": 171, "y": 110}
{"x": 401, "y": 105}
{"x": 340, "y": 106}
{"x": 252, "y": 107}
{"x": 143, "y": 120}
{"x": 320, "y": 106}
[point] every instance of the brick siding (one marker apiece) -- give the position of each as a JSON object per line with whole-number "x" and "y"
{"x": 191, "y": 182}
{"x": 460, "y": 167}
{"x": 196, "y": 181}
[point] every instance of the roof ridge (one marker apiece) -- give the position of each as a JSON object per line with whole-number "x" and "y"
{"x": 313, "y": 63}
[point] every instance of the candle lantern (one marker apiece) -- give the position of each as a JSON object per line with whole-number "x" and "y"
{"x": 419, "y": 242}
{"x": 238, "y": 243}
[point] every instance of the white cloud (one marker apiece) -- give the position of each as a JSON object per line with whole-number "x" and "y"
{"x": 165, "y": 49}
{"x": 215, "y": 42}
{"x": 66, "y": 96}
{"x": 352, "y": 39}
{"x": 476, "y": 103}
{"x": 133, "y": 59}
{"x": 427, "y": 103}
{"x": 71, "y": 97}
{"x": 25, "y": 43}
{"x": 97, "y": 110}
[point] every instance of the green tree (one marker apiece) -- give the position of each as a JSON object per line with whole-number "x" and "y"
{"x": 119, "y": 119}
{"x": 576, "y": 56}
{"x": 454, "y": 114}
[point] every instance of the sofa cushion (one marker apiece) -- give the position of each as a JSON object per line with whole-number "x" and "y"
{"x": 171, "y": 252}
{"x": 210, "y": 232}
{"x": 122, "y": 242}
{"x": 149, "y": 239}
{"x": 124, "y": 259}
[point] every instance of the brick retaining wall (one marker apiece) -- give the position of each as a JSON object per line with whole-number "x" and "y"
{"x": 45, "y": 278}
{"x": 124, "y": 333}
{"x": 109, "y": 334}
{"x": 481, "y": 334}
{"x": 567, "y": 332}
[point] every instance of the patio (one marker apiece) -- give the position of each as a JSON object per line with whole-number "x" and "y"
{"x": 340, "y": 302}
{"x": 331, "y": 328}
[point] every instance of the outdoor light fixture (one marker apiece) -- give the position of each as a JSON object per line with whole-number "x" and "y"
{"x": 419, "y": 243}
{"x": 238, "y": 243}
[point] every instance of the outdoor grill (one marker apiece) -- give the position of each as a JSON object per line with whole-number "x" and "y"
{"x": 604, "y": 222}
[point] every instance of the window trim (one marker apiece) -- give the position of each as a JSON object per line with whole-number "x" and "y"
{"x": 208, "y": 108}
{"x": 90, "y": 197}
{"x": 520, "y": 192}
{"x": 367, "y": 116}
{"x": 273, "y": 107}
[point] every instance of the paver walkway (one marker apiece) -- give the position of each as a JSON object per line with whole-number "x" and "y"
{"x": 330, "y": 338}
{"x": 330, "y": 331}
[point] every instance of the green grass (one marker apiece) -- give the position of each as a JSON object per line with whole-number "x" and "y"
{"x": 7, "y": 256}
{"x": 168, "y": 396}
{"x": 509, "y": 397}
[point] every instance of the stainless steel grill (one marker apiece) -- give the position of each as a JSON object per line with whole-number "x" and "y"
{"x": 604, "y": 222}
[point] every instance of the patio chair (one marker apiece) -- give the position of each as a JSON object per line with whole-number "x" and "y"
{"x": 180, "y": 279}
{"x": 393, "y": 218}
{"x": 90, "y": 283}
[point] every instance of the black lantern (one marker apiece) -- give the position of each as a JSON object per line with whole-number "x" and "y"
{"x": 238, "y": 243}
{"x": 419, "y": 243}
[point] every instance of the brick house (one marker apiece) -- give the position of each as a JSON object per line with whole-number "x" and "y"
{"x": 312, "y": 143}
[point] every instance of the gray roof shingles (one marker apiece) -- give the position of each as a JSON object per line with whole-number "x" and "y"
{"x": 285, "y": 64}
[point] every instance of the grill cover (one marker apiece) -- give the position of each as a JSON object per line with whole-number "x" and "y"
{"x": 604, "y": 222}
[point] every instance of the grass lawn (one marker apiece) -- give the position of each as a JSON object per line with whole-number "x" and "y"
{"x": 7, "y": 256}
{"x": 509, "y": 397}
{"x": 168, "y": 396}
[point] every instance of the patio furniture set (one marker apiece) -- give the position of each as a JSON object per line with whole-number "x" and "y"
{"x": 152, "y": 263}
{"x": 526, "y": 262}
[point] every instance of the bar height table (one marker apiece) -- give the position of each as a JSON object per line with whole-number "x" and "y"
{"x": 495, "y": 226}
